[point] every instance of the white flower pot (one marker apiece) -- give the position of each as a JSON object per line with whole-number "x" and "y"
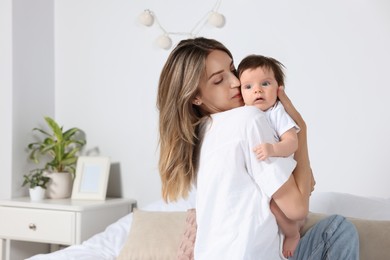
{"x": 37, "y": 193}
{"x": 60, "y": 185}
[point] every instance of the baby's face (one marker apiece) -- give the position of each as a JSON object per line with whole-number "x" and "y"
{"x": 259, "y": 88}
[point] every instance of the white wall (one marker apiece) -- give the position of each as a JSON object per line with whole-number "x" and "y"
{"x": 6, "y": 96}
{"x": 33, "y": 78}
{"x": 336, "y": 53}
{"x": 26, "y": 83}
{"x": 26, "y": 92}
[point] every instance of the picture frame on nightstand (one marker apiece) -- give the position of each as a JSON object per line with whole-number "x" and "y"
{"x": 91, "y": 180}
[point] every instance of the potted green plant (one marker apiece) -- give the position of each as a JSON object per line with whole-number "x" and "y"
{"x": 37, "y": 183}
{"x": 60, "y": 149}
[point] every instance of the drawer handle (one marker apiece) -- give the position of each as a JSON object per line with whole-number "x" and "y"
{"x": 32, "y": 226}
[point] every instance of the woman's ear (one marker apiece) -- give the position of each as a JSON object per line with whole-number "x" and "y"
{"x": 197, "y": 101}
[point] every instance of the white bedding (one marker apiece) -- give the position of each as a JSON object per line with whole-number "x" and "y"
{"x": 107, "y": 245}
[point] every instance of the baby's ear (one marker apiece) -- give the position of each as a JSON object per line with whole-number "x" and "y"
{"x": 280, "y": 89}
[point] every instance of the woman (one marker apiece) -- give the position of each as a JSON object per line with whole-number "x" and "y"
{"x": 207, "y": 139}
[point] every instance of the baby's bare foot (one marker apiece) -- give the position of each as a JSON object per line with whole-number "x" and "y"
{"x": 289, "y": 245}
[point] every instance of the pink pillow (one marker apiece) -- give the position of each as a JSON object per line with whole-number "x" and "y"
{"x": 186, "y": 248}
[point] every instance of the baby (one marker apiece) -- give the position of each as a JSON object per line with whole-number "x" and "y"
{"x": 260, "y": 79}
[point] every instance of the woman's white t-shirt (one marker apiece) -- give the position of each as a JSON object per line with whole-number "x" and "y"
{"x": 234, "y": 189}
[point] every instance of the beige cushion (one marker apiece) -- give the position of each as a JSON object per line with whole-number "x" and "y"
{"x": 163, "y": 235}
{"x": 154, "y": 235}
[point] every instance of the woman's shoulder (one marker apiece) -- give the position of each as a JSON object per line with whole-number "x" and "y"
{"x": 238, "y": 121}
{"x": 247, "y": 112}
{"x": 240, "y": 114}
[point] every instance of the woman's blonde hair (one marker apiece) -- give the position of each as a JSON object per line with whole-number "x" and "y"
{"x": 179, "y": 119}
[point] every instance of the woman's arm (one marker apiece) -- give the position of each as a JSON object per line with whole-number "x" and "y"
{"x": 297, "y": 190}
{"x": 302, "y": 157}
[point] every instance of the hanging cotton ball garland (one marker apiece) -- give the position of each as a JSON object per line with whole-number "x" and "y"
{"x": 216, "y": 19}
{"x": 146, "y": 18}
{"x": 164, "y": 41}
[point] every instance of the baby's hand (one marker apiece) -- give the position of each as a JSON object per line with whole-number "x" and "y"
{"x": 263, "y": 151}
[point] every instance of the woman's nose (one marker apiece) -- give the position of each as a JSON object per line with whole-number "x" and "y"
{"x": 235, "y": 82}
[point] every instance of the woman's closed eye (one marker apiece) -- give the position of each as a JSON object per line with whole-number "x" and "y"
{"x": 220, "y": 77}
{"x": 218, "y": 81}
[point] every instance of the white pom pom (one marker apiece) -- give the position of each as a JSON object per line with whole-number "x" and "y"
{"x": 146, "y": 18}
{"x": 164, "y": 41}
{"x": 216, "y": 19}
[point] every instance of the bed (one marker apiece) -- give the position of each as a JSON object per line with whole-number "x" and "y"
{"x": 371, "y": 216}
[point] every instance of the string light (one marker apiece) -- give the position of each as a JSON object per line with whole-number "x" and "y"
{"x": 164, "y": 41}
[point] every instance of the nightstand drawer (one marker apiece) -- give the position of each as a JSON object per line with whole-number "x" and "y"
{"x": 37, "y": 225}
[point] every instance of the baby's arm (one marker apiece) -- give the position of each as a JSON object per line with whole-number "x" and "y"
{"x": 287, "y": 145}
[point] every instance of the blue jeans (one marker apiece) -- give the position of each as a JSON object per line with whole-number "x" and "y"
{"x": 332, "y": 238}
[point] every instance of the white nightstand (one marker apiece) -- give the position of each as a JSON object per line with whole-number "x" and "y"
{"x": 57, "y": 221}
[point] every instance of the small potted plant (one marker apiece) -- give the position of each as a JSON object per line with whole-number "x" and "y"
{"x": 37, "y": 183}
{"x": 60, "y": 148}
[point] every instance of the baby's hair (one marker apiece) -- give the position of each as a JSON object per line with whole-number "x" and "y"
{"x": 255, "y": 61}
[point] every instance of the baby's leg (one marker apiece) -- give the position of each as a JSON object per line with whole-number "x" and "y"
{"x": 289, "y": 228}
